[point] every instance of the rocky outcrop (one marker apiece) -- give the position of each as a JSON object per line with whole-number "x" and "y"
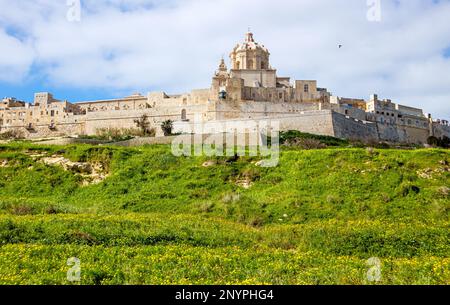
{"x": 92, "y": 173}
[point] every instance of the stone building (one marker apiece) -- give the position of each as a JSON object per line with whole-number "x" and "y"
{"x": 250, "y": 90}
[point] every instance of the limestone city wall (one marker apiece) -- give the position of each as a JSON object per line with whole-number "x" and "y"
{"x": 350, "y": 128}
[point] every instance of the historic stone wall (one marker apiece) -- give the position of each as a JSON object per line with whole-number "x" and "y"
{"x": 414, "y": 135}
{"x": 389, "y": 133}
{"x": 126, "y": 118}
{"x": 440, "y": 130}
{"x": 317, "y": 122}
{"x": 43, "y": 131}
{"x": 250, "y": 109}
{"x": 354, "y": 129}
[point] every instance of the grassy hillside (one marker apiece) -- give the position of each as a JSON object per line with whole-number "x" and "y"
{"x": 160, "y": 219}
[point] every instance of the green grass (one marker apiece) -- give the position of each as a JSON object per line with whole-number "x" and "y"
{"x": 286, "y": 136}
{"x": 160, "y": 219}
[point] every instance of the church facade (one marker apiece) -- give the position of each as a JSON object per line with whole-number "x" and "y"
{"x": 250, "y": 90}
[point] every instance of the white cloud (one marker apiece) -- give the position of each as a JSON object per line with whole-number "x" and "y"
{"x": 176, "y": 45}
{"x": 16, "y": 58}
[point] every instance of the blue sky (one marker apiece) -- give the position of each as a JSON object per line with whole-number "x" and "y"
{"x": 447, "y": 52}
{"x": 121, "y": 47}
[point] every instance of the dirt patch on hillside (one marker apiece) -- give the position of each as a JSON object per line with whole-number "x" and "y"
{"x": 92, "y": 173}
{"x": 4, "y": 163}
{"x": 429, "y": 173}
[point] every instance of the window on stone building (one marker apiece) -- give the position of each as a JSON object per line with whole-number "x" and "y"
{"x": 280, "y": 95}
{"x": 183, "y": 115}
{"x": 52, "y": 113}
{"x": 306, "y": 88}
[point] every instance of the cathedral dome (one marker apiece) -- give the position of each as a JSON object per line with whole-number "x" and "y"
{"x": 250, "y": 55}
{"x": 250, "y": 44}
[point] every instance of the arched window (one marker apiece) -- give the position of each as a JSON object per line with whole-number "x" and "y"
{"x": 238, "y": 65}
{"x": 183, "y": 115}
{"x": 263, "y": 65}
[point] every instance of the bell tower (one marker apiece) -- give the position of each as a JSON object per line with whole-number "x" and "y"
{"x": 219, "y": 81}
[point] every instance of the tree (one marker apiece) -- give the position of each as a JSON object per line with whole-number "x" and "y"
{"x": 167, "y": 127}
{"x": 144, "y": 125}
{"x": 443, "y": 142}
{"x": 433, "y": 141}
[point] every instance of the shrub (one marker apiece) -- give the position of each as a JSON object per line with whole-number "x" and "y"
{"x": 443, "y": 142}
{"x": 256, "y": 222}
{"x": 123, "y": 134}
{"x": 21, "y": 210}
{"x": 167, "y": 127}
{"x": 383, "y": 145}
{"x": 51, "y": 210}
{"x": 407, "y": 188}
{"x": 82, "y": 238}
{"x": 144, "y": 125}
{"x": 305, "y": 143}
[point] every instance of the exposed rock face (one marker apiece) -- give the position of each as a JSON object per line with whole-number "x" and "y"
{"x": 444, "y": 190}
{"x": 429, "y": 173}
{"x": 245, "y": 183}
{"x": 209, "y": 163}
{"x": 92, "y": 173}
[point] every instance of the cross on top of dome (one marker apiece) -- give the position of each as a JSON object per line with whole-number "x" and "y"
{"x": 249, "y": 36}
